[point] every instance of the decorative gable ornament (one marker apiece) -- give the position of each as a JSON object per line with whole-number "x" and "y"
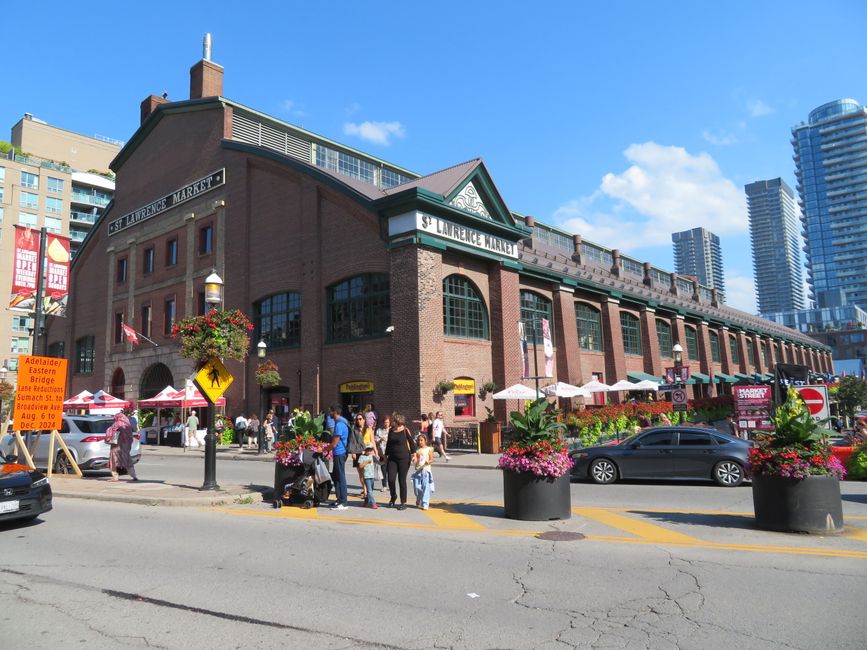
{"x": 469, "y": 200}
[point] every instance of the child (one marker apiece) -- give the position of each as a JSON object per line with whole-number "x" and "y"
{"x": 422, "y": 479}
{"x": 367, "y": 465}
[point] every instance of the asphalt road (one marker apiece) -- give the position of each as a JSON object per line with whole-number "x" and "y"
{"x": 660, "y": 566}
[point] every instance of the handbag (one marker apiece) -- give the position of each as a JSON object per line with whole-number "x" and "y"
{"x": 112, "y": 435}
{"x": 356, "y": 441}
{"x": 320, "y": 472}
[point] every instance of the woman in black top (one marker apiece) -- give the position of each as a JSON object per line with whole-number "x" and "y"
{"x": 398, "y": 449}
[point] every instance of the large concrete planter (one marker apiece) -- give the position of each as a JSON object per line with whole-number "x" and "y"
{"x": 530, "y": 498}
{"x": 808, "y": 505}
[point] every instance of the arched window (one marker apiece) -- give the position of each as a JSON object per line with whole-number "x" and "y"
{"x": 277, "y": 320}
{"x": 663, "y": 335}
{"x": 751, "y": 353}
{"x": 692, "y": 343}
{"x": 464, "y": 313}
{"x": 631, "y": 330}
{"x": 735, "y": 348}
{"x": 358, "y": 308}
{"x": 533, "y": 309}
{"x": 714, "y": 346}
{"x": 589, "y": 323}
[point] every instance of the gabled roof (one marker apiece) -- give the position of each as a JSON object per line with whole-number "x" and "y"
{"x": 442, "y": 182}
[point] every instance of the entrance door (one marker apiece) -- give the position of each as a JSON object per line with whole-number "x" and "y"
{"x": 354, "y": 402}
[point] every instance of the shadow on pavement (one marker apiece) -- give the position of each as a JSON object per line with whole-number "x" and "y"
{"x": 700, "y": 519}
{"x": 473, "y": 509}
{"x": 857, "y": 498}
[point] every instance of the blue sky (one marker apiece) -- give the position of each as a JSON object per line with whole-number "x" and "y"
{"x": 623, "y": 122}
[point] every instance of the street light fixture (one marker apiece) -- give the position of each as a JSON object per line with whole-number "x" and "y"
{"x": 214, "y": 289}
{"x": 261, "y": 349}
{"x": 677, "y": 352}
{"x": 214, "y": 298}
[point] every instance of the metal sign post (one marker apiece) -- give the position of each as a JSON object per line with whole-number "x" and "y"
{"x": 212, "y": 380}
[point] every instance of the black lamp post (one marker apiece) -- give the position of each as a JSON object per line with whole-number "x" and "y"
{"x": 214, "y": 298}
{"x": 261, "y": 351}
{"x": 3, "y": 372}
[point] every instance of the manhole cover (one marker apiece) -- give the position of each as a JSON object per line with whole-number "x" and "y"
{"x": 560, "y": 536}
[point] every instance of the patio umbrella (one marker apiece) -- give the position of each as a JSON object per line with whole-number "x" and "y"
{"x": 623, "y": 385}
{"x": 78, "y": 401}
{"x": 160, "y": 400}
{"x": 646, "y": 384}
{"x": 596, "y": 386}
{"x": 518, "y": 391}
{"x": 561, "y": 389}
{"x": 102, "y": 402}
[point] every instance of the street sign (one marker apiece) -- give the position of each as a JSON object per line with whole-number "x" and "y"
{"x": 678, "y": 399}
{"x": 213, "y": 379}
{"x": 665, "y": 388}
{"x": 753, "y": 407}
{"x": 40, "y": 390}
{"x": 816, "y": 398}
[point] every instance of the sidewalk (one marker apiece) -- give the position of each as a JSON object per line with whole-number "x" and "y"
{"x": 459, "y": 459}
{"x": 148, "y": 493}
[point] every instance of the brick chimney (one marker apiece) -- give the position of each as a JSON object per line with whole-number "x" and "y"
{"x": 150, "y": 104}
{"x": 206, "y": 77}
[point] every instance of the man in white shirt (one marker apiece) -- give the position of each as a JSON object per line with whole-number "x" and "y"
{"x": 240, "y": 428}
{"x": 438, "y": 429}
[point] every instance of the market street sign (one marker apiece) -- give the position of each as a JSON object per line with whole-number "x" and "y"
{"x": 213, "y": 379}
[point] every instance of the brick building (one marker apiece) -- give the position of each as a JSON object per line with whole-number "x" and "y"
{"x": 366, "y": 281}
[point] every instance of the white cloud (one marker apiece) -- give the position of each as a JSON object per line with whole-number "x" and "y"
{"x": 289, "y": 106}
{"x": 352, "y": 109}
{"x": 720, "y": 138}
{"x": 758, "y": 108}
{"x": 740, "y": 292}
{"x": 376, "y": 132}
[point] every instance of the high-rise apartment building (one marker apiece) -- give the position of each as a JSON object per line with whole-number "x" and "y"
{"x": 697, "y": 253}
{"x": 776, "y": 244}
{"x": 61, "y": 182}
{"x": 831, "y": 159}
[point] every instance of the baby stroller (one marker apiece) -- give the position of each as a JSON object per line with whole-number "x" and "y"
{"x": 308, "y": 484}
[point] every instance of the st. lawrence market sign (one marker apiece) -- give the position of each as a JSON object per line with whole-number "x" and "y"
{"x": 181, "y": 195}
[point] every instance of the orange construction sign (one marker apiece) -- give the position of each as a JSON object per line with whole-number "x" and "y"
{"x": 39, "y": 393}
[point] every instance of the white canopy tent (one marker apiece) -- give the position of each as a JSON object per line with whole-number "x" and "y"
{"x": 561, "y": 389}
{"x": 518, "y": 391}
{"x": 623, "y": 384}
{"x": 596, "y": 386}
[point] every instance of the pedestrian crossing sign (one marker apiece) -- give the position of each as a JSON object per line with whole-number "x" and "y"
{"x": 213, "y": 379}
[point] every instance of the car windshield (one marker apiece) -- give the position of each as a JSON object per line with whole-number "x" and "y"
{"x": 93, "y": 426}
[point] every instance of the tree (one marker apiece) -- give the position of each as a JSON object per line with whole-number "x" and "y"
{"x": 852, "y": 395}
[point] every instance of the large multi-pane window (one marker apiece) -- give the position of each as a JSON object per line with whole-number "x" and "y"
{"x": 714, "y": 346}
{"x": 28, "y": 200}
{"x": 22, "y": 324}
{"x": 278, "y": 320}
{"x": 85, "y": 353}
{"x": 20, "y": 344}
{"x": 345, "y": 163}
{"x": 53, "y": 205}
{"x": 148, "y": 260}
{"x": 464, "y": 313}
{"x": 2, "y": 174}
{"x": 55, "y": 185}
{"x": 206, "y": 240}
{"x": 589, "y": 327}
{"x": 169, "y": 307}
{"x": 733, "y": 346}
{"x": 534, "y": 308}
{"x": 145, "y": 319}
{"x": 631, "y": 330}
{"x": 30, "y": 181}
{"x": 691, "y": 344}
{"x": 171, "y": 252}
{"x": 751, "y": 354}
{"x": 663, "y": 335}
{"x": 53, "y": 224}
{"x": 27, "y": 219}
{"x": 358, "y": 308}
{"x": 766, "y": 351}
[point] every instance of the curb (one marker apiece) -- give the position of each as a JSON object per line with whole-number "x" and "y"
{"x": 203, "y": 501}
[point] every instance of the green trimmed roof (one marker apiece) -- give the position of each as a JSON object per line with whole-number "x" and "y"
{"x": 720, "y": 377}
{"x": 700, "y": 377}
{"x": 642, "y": 376}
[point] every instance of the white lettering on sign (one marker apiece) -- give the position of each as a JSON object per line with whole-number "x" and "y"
{"x": 444, "y": 229}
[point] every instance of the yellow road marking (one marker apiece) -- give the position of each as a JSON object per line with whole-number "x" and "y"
{"x": 445, "y": 516}
{"x": 856, "y": 533}
{"x": 636, "y": 527}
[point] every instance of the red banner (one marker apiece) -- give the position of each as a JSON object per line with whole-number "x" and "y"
{"x": 56, "y": 275}
{"x": 24, "y": 268}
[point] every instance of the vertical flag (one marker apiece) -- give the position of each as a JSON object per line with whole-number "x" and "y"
{"x": 711, "y": 388}
{"x": 548, "y": 346}
{"x": 525, "y": 357}
{"x": 25, "y": 261}
{"x": 57, "y": 275}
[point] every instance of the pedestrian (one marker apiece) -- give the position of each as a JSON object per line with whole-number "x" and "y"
{"x": 119, "y": 437}
{"x": 338, "y": 453}
{"x": 424, "y": 426}
{"x": 422, "y": 479}
{"x": 398, "y": 449}
{"x": 380, "y": 437}
{"x": 252, "y": 431}
{"x": 664, "y": 420}
{"x": 192, "y": 429}
{"x": 643, "y": 420}
{"x": 370, "y": 416}
{"x": 367, "y": 465}
{"x": 439, "y": 436}
{"x": 240, "y": 428}
{"x": 733, "y": 426}
{"x": 359, "y": 437}
{"x": 268, "y": 431}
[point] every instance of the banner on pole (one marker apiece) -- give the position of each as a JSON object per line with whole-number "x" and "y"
{"x": 525, "y": 357}
{"x": 56, "y": 275}
{"x": 24, "y": 266}
{"x": 548, "y": 346}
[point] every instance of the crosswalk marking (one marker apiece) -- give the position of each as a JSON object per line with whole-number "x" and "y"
{"x": 636, "y": 527}
{"x": 447, "y": 517}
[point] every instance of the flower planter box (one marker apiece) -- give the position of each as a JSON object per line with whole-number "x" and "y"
{"x": 531, "y": 498}
{"x": 490, "y": 437}
{"x": 808, "y": 505}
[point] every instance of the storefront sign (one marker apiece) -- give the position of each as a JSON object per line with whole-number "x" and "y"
{"x": 39, "y": 393}
{"x": 465, "y": 386}
{"x": 356, "y": 387}
{"x": 753, "y": 407}
{"x": 451, "y": 231}
{"x": 181, "y": 195}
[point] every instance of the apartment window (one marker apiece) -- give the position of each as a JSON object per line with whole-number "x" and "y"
{"x": 533, "y": 309}
{"x": 118, "y": 328}
{"x": 714, "y": 346}
{"x": 121, "y": 270}
{"x": 26, "y": 219}
{"x": 145, "y": 323}
{"x": 53, "y": 205}
{"x": 589, "y": 323}
{"x": 171, "y": 252}
{"x": 631, "y": 330}
{"x": 751, "y": 354}
{"x": 1, "y": 194}
{"x": 30, "y": 181}
{"x": 358, "y": 308}
{"x": 206, "y": 240}
{"x": 53, "y": 224}
{"x": 2, "y": 174}
{"x": 692, "y": 344}
{"x": 464, "y": 313}
{"x": 168, "y": 315}
{"x": 148, "y": 260}
{"x": 20, "y": 344}
{"x": 1, "y": 215}
{"x": 22, "y": 324}
{"x": 28, "y": 200}
{"x": 277, "y": 320}
{"x": 85, "y": 354}
{"x": 663, "y": 335}
{"x": 55, "y": 185}
{"x": 733, "y": 346}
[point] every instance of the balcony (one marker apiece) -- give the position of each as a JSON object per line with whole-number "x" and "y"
{"x": 89, "y": 198}
{"x": 82, "y": 217}
{"x": 77, "y": 235}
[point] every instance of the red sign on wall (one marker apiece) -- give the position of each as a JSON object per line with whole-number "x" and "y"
{"x": 753, "y": 407}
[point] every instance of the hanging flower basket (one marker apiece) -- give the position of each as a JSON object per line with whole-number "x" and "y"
{"x": 267, "y": 374}
{"x": 223, "y": 334}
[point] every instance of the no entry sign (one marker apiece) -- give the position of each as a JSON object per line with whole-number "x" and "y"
{"x": 816, "y": 398}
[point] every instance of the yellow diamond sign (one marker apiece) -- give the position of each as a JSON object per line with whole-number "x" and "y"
{"x": 213, "y": 379}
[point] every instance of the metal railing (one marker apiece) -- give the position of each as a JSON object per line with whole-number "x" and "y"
{"x": 464, "y": 438}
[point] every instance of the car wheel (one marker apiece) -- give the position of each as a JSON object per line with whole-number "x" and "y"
{"x": 728, "y": 473}
{"x": 62, "y": 464}
{"x": 603, "y": 471}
